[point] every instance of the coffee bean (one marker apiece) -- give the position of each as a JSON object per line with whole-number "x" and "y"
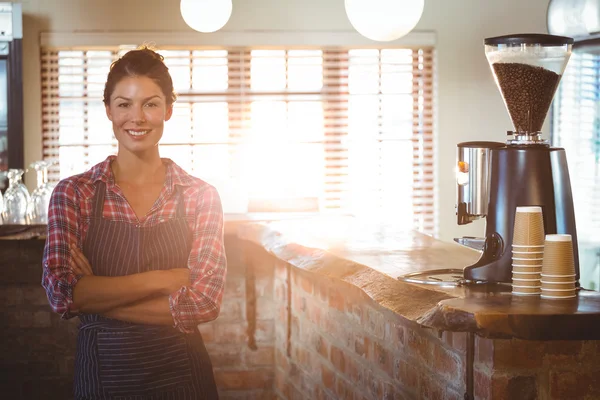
{"x": 528, "y": 92}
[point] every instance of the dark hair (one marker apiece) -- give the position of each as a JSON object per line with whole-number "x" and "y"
{"x": 140, "y": 62}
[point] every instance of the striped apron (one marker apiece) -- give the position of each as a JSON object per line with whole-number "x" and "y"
{"x": 123, "y": 361}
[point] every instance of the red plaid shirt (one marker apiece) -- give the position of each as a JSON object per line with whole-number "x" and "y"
{"x": 69, "y": 216}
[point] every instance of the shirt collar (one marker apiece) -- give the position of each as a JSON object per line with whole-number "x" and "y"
{"x": 102, "y": 172}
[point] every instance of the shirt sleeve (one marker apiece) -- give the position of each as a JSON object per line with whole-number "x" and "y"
{"x": 201, "y": 301}
{"x": 58, "y": 278}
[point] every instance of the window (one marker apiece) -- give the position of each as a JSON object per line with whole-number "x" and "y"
{"x": 327, "y": 130}
{"x": 576, "y": 128}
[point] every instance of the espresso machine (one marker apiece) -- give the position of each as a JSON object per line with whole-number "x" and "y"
{"x": 494, "y": 178}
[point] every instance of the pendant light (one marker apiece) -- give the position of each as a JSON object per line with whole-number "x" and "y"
{"x": 384, "y": 20}
{"x": 206, "y": 15}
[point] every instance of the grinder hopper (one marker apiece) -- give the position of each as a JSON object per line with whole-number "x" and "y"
{"x": 527, "y": 69}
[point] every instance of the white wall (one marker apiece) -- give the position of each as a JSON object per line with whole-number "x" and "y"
{"x": 470, "y": 107}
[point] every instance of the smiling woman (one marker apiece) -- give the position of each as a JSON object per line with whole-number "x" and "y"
{"x": 135, "y": 250}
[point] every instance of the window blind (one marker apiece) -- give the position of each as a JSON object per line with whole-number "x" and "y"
{"x": 326, "y": 130}
{"x": 576, "y": 128}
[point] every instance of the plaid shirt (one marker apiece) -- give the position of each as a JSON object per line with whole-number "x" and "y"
{"x": 69, "y": 216}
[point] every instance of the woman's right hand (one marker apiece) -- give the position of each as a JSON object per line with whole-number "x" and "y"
{"x": 174, "y": 279}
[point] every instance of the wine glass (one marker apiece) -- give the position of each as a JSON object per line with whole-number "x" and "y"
{"x": 16, "y": 199}
{"x": 37, "y": 208}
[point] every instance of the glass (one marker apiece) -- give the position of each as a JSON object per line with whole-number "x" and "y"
{"x": 37, "y": 208}
{"x": 16, "y": 199}
{"x": 527, "y": 69}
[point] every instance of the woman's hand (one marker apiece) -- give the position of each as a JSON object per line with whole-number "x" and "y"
{"x": 79, "y": 263}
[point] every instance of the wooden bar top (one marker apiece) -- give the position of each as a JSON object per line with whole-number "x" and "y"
{"x": 372, "y": 257}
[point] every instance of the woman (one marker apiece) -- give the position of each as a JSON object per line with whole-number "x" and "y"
{"x": 135, "y": 249}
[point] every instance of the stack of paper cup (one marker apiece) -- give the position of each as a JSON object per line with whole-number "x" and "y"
{"x": 527, "y": 251}
{"x": 558, "y": 269}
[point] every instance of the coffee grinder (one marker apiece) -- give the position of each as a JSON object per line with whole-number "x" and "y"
{"x": 494, "y": 178}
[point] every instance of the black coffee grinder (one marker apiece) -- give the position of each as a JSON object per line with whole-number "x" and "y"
{"x": 494, "y": 178}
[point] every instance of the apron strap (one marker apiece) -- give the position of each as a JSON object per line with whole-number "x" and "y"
{"x": 180, "y": 202}
{"x": 99, "y": 200}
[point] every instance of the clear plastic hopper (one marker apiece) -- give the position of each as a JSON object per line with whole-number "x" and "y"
{"x": 527, "y": 69}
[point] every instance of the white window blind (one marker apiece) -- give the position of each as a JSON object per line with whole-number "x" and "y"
{"x": 327, "y": 130}
{"x": 576, "y": 128}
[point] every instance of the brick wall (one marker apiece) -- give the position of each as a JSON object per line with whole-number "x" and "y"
{"x": 339, "y": 344}
{"x": 38, "y": 347}
{"x": 285, "y": 333}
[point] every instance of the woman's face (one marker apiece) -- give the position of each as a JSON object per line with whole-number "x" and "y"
{"x": 138, "y": 111}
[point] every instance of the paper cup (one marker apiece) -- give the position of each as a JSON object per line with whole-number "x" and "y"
{"x": 527, "y": 261}
{"x": 517, "y": 247}
{"x": 538, "y": 255}
{"x": 558, "y": 255}
{"x": 559, "y": 286}
{"x": 526, "y": 275}
{"x": 545, "y": 296}
{"x": 559, "y": 292}
{"x": 528, "y": 229}
{"x": 527, "y": 290}
{"x": 559, "y": 278}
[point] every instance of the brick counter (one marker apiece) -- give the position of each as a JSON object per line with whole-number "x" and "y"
{"x": 299, "y": 321}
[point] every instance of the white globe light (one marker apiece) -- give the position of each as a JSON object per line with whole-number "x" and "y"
{"x": 384, "y": 20}
{"x": 206, "y": 15}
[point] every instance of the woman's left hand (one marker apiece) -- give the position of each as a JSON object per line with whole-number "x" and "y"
{"x": 79, "y": 263}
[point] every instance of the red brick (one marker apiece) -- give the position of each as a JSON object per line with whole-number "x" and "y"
{"x": 361, "y": 345}
{"x": 12, "y": 296}
{"x": 34, "y": 296}
{"x": 374, "y": 321}
{"x": 28, "y": 319}
{"x": 280, "y": 290}
{"x": 482, "y": 385}
{"x": 230, "y": 332}
{"x": 373, "y": 385}
{"x": 265, "y": 308}
{"x": 383, "y": 359}
{"x": 407, "y": 373}
{"x": 484, "y": 351}
{"x": 265, "y": 331}
{"x": 282, "y": 360}
{"x": 305, "y": 283}
{"x": 225, "y": 356}
{"x": 314, "y": 312}
{"x": 322, "y": 288}
{"x": 231, "y": 310}
{"x": 456, "y": 340}
{"x": 235, "y": 286}
{"x": 562, "y": 352}
{"x": 336, "y": 299}
{"x": 419, "y": 345}
{"x": 580, "y": 384}
{"x": 514, "y": 387}
{"x": 260, "y": 356}
{"x": 321, "y": 346}
{"x": 517, "y": 353}
{"x": 327, "y": 377}
{"x": 298, "y": 302}
{"x": 244, "y": 380}
{"x": 338, "y": 359}
{"x": 447, "y": 364}
{"x": 394, "y": 334}
{"x": 430, "y": 387}
{"x": 343, "y": 390}
{"x": 281, "y": 268}
{"x": 354, "y": 371}
{"x": 263, "y": 284}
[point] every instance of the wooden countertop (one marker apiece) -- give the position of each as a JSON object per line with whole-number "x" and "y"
{"x": 373, "y": 256}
